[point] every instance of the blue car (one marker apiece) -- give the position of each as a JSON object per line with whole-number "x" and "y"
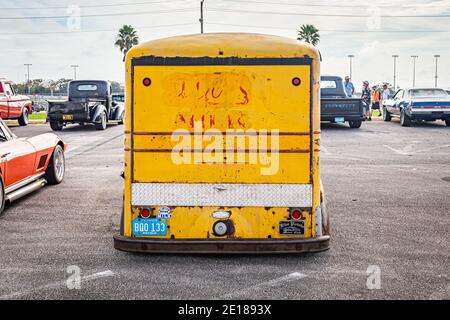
{"x": 418, "y": 104}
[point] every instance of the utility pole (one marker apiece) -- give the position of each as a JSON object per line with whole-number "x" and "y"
{"x": 201, "y": 16}
{"x": 436, "y": 56}
{"x": 351, "y": 56}
{"x": 74, "y": 66}
{"x": 395, "y": 56}
{"x": 414, "y": 70}
{"x": 28, "y": 65}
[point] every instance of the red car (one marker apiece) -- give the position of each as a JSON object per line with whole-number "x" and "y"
{"x": 12, "y": 105}
{"x": 27, "y": 164}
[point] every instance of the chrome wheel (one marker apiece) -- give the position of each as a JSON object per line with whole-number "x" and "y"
{"x": 59, "y": 164}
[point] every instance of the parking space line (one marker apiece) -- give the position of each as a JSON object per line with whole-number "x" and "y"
{"x": 271, "y": 283}
{"x": 410, "y": 151}
{"x": 55, "y": 285}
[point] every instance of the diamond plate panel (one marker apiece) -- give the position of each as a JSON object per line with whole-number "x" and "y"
{"x": 223, "y": 195}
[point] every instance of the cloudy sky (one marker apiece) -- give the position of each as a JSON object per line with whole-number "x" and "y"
{"x": 48, "y": 34}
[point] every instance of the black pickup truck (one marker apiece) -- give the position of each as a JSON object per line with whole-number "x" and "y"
{"x": 90, "y": 101}
{"x": 336, "y": 107}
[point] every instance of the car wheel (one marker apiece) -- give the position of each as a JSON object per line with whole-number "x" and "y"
{"x": 57, "y": 166}
{"x": 447, "y": 123}
{"x": 56, "y": 125}
{"x": 2, "y": 195}
{"x": 405, "y": 121}
{"x": 23, "y": 120}
{"x": 386, "y": 115}
{"x": 102, "y": 124}
{"x": 122, "y": 117}
{"x": 355, "y": 124}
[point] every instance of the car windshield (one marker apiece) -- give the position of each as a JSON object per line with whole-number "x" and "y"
{"x": 119, "y": 98}
{"x": 428, "y": 93}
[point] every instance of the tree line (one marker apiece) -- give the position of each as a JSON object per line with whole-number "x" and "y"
{"x": 53, "y": 87}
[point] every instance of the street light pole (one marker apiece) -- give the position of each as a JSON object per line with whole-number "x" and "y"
{"x": 436, "y": 56}
{"x": 28, "y": 65}
{"x": 395, "y": 56}
{"x": 74, "y": 66}
{"x": 201, "y": 16}
{"x": 414, "y": 70}
{"x": 351, "y": 56}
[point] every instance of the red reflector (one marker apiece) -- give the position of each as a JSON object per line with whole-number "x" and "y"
{"x": 145, "y": 213}
{"x": 296, "y": 81}
{"x": 296, "y": 214}
{"x": 146, "y": 82}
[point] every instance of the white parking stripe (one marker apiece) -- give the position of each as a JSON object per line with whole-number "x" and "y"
{"x": 103, "y": 274}
{"x": 272, "y": 283}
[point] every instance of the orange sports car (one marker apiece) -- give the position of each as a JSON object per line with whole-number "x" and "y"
{"x": 27, "y": 164}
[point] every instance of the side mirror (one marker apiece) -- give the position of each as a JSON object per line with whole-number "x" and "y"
{"x": 114, "y": 104}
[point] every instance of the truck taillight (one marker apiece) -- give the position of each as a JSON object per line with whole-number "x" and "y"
{"x": 296, "y": 213}
{"x": 145, "y": 213}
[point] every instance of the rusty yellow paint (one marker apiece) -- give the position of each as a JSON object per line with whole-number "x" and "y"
{"x": 221, "y": 98}
{"x": 196, "y": 222}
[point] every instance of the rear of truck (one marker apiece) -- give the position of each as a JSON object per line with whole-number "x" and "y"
{"x": 87, "y": 99}
{"x": 222, "y": 147}
{"x": 336, "y": 107}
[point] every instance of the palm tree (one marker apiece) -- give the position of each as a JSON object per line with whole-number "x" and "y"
{"x": 309, "y": 33}
{"x": 126, "y": 38}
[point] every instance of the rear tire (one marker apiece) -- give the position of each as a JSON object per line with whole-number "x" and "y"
{"x": 386, "y": 115}
{"x": 405, "y": 121}
{"x": 57, "y": 166}
{"x": 102, "y": 124}
{"x": 447, "y": 123}
{"x": 355, "y": 124}
{"x": 122, "y": 116}
{"x": 2, "y": 195}
{"x": 23, "y": 120}
{"x": 56, "y": 125}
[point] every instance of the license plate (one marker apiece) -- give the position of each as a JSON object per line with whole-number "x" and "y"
{"x": 67, "y": 117}
{"x": 338, "y": 120}
{"x": 292, "y": 227}
{"x": 149, "y": 227}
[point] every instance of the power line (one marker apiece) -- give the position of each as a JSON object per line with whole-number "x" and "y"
{"x": 94, "y": 5}
{"x": 336, "y": 5}
{"x": 90, "y": 31}
{"x": 330, "y": 30}
{"x": 325, "y": 14}
{"x": 100, "y": 15}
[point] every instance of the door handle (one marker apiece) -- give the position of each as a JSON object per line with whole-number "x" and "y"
{"x": 5, "y": 155}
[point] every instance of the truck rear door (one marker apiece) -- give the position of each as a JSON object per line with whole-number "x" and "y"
{"x": 173, "y": 102}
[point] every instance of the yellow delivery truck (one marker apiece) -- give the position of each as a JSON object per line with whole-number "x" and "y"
{"x": 222, "y": 146}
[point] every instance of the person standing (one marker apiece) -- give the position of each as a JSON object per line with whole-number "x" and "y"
{"x": 349, "y": 87}
{"x": 385, "y": 95}
{"x": 365, "y": 98}
{"x": 376, "y": 96}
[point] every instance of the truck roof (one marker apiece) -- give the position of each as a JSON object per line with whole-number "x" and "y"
{"x": 248, "y": 45}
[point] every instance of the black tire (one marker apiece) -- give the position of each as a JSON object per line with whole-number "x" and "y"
{"x": 122, "y": 117}
{"x": 56, "y": 125}
{"x": 2, "y": 195}
{"x": 355, "y": 124}
{"x": 23, "y": 120}
{"x": 447, "y": 123}
{"x": 102, "y": 124}
{"x": 386, "y": 115}
{"x": 56, "y": 168}
{"x": 405, "y": 121}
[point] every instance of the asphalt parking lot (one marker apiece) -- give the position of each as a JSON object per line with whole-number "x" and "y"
{"x": 388, "y": 191}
